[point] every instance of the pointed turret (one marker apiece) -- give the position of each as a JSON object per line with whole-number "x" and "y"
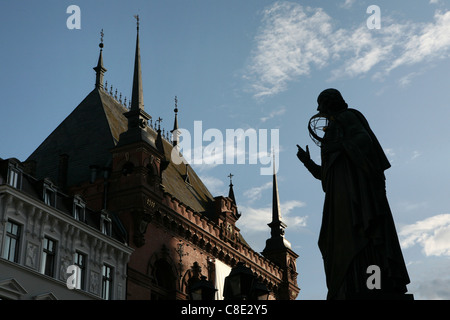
{"x": 158, "y": 141}
{"x": 231, "y": 192}
{"x": 137, "y": 95}
{"x": 100, "y": 69}
{"x": 276, "y": 226}
{"x": 276, "y": 240}
{"x": 278, "y": 249}
{"x": 137, "y": 117}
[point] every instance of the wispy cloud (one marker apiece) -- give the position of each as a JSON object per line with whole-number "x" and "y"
{"x": 256, "y": 219}
{"x": 214, "y": 185}
{"x": 291, "y": 39}
{"x": 433, "y": 234}
{"x": 294, "y": 39}
{"x": 273, "y": 114}
{"x": 348, "y": 3}
{"x": 255, "y": 193}
{"x": 430, "y": 41}
{"x": 407, "y": 79}
{"x": 416, "y": 154}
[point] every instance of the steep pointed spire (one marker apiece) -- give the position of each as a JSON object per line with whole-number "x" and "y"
{"x": 137, "y": 117}
{"x": 174, "y": 131}
{"x": 100, "y": 69}
{"x": 231, "y": 192}
{"x": 137, "y": 96}
{"x": 275, "y": 198}
{"x": 278, "y": 249}
{"x": 276, "y": 226}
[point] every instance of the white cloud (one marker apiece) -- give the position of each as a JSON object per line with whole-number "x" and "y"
{"x": 348, "y": 3}
{"x": 433, "y": 234}
{"x": 255, "y": 193}
{"x": 256, "y": 219}
{"x": 432, "y": 41}
{"x": 416, "y": 154}
{"x": 273, "y": 114}
{"x": 407, "y": 79}
{"x": 293, "y": 39}
{"x": 214, "y": 185}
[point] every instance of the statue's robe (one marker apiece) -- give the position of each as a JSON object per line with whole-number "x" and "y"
{"x": 357, "y": 225}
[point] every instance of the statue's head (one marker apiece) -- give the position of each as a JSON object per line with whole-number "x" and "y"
{"x": 330, "y": 101}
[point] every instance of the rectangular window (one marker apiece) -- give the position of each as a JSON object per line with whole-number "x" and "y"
{"x": 48, "y": 197}
{"x": 107, "y": 282}
{"x": 13, "y": 178}
{"x": 48, "y": 257}
{"x": 78, "y": 213}
{"x": 12, "y": 241}
{"x": 106, "y": 226}
{"x": 80, "y": 261}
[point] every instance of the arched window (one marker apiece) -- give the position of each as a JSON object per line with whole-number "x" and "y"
{"x": 165, "y": 281}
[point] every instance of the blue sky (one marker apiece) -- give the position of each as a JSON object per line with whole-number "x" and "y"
{"x": 258, "y": 64}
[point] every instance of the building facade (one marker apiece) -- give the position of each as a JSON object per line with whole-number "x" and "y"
{"x": 44, "y": 231}
{"x": 116, "y": 160}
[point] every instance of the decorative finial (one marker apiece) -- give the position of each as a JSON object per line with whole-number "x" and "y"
{"x": 159, "y": 122}
{"x": 101, "y": 40}
{"x": 176, "y": 105}
{"x": 231, "y": 176}
{"x": 137, "y": 21}
{"x": 231, "y": 192}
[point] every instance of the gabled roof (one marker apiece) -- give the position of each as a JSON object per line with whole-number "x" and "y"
{"x": 89, "y": 133}
{"x": 86, "y": 136}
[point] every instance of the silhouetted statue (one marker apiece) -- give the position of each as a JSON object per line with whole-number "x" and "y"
{"x": 357, "y": 225}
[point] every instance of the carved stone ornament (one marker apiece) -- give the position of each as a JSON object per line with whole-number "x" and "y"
{"x": 32, "y": 253}
{"x": 141, "y": 220}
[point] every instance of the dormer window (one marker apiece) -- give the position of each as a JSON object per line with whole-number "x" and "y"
{"x": 14, "y": 176}
{"x": 78, "y": 208}
{"x": 78, "y": 213}
{"x": 49, "y": 194}
{"x": 105, "y": 223}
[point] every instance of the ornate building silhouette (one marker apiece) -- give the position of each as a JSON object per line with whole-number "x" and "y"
{"x": 169, "y": 230}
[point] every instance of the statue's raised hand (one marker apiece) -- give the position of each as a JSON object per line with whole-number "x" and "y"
{"x": 303, "y": 155}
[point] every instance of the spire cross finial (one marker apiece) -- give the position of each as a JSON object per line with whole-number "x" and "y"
{"x": 231, "y": 176}
{"x": 159, "y": 122}
{"x": 101, "y": 38}
{"x": 176, "y": 104}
